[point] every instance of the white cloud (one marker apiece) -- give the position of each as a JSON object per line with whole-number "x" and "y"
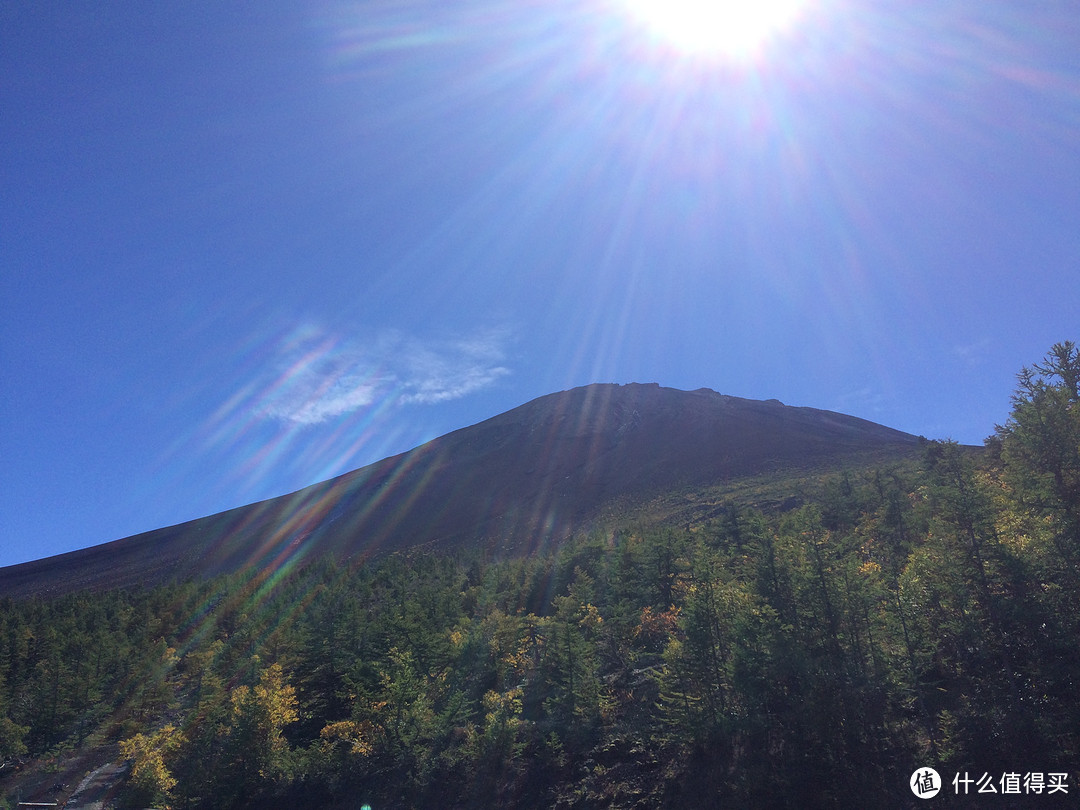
{"x": 973, "y": 354}
{"x": 315, "y": 405}
{"x": 321, "y": 377}
{"x": 437, "y": 372}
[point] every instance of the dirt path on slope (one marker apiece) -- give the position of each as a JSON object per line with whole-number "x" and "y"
{"x": 49, "y": 782}
{"x": 98, "y": 787}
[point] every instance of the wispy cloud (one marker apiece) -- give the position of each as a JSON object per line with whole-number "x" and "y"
{"x": 444, "y": 371}
{"x": 973, "y": 354}
{"x": 320, "y": 377}
{"x": 861, "y": 401}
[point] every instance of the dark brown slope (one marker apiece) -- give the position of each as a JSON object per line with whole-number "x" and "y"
{"x": 511, "y": 485}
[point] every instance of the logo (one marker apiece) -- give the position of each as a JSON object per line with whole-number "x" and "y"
{"x": 925, "y": 783}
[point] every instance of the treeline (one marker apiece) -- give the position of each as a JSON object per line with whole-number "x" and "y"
{"x": 920, "y": 615}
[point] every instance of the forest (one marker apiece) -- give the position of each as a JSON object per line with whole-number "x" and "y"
{"x": 908, "y": 615}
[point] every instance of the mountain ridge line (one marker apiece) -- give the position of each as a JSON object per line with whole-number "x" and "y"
{"x": 515, "y": 483}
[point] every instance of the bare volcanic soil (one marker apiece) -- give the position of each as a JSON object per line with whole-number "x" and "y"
{"x": 513, "y": 484}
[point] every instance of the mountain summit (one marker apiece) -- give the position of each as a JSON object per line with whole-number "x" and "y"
{"x": 512, "y": 484}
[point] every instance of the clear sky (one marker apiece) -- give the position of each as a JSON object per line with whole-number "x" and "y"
{"x": 248, "y": 246}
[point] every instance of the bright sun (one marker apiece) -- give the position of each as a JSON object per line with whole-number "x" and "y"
{"x": 733, "y": 29}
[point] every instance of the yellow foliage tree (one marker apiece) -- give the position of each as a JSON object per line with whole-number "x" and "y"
{"x": 359, "y": 734}
{"x": 149, "y": 774}
{"x": 260, "y": 713}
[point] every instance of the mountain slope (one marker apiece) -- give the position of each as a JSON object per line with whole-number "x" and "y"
{"x": 509, "y": 485}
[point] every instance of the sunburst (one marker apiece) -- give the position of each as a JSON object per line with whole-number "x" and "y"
{"x": 731, "y": 29}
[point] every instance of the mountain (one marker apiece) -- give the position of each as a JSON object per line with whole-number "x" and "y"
{"x": 513, "y": 484}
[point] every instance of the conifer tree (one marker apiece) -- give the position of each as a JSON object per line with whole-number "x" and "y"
{"x": 1040, "y": 448}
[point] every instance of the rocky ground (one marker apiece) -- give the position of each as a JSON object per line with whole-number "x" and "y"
{"x": 82, "y": 780}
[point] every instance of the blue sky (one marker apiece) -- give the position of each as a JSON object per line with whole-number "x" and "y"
{"x": 245, "y": 247}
